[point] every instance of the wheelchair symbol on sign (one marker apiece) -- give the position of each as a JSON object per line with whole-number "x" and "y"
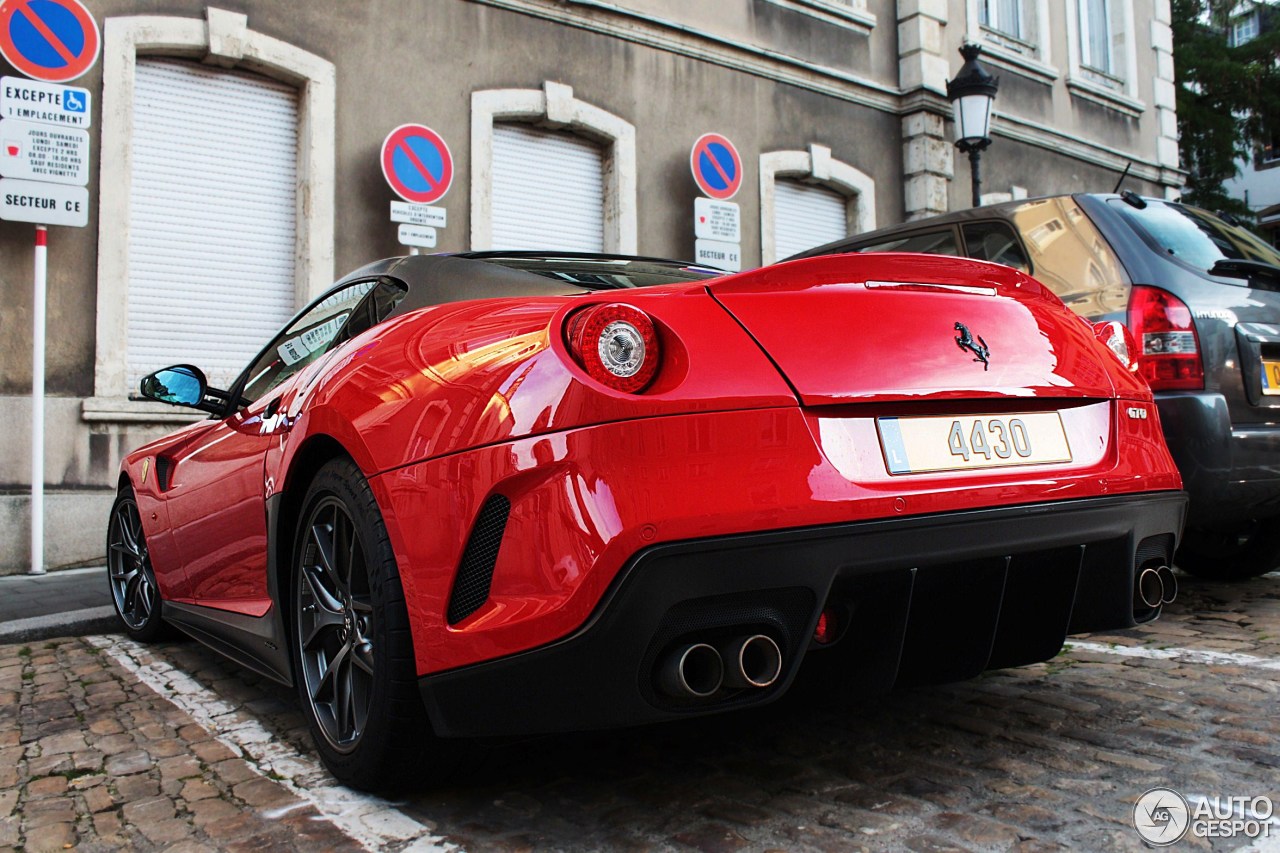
{"x": 74, "y": 102}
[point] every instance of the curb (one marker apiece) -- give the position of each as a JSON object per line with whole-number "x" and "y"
{"x": 74, "y": 623}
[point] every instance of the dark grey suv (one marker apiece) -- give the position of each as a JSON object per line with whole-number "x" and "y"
{"x": 1202, "y": 299}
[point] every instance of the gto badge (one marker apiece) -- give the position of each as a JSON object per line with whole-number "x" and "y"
{"x": 1136, "y": 413}
{"x": 979, "y": 348}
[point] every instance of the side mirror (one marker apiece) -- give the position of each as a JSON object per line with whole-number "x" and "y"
{"x": 180, "y": 385}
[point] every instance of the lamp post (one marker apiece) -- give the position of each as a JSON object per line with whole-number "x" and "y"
{"x": 971, "y": 94}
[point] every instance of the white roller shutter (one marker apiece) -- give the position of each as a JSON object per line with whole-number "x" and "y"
{"x": 211, "y": 217}
{"x": 805, "y": 216}
{"x": 548, "y": 190}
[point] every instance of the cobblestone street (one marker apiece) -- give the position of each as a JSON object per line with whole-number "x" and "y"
{"x": 1044, "y": 757}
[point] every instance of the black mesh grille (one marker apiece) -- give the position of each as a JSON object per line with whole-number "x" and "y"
{"x": 475, "y": 573}
{"x": 1154, "y": 551}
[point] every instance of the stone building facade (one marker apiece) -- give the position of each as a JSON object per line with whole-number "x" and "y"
{"x": 235, "y": 169}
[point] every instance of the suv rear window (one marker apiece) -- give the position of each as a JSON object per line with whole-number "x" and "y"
{"x": 1193, "y": 236}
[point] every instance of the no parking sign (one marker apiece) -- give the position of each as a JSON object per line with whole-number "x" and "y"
{"x": 50, "y": 40}
{"x": 717, "y": 168}
{"x": 417, "y": 164}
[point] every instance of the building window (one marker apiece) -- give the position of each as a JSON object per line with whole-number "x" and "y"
{"x": 1270, "y": 154}
{"x": 807, "y": 199}
{"x": 522, "y": 139}
{"x": 212, "y": 220}
{"x": 1013, "y": 35}
{"x": 168, "y": 210}
{"x": 1003, "y": 16}
{"x": 548, "y": 190}
{"x": 1105, "y": 43}
{"x": 1244, "y": 29}
{"x": 1095, "y": 36}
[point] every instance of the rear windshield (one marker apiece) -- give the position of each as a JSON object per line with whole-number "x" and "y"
{"x": 1195, "y": 236}
{"x": 606, "y": 273}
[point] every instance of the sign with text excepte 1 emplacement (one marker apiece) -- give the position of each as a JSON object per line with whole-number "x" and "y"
{"x": 422, "y": 236}
{"x": 47, "y": 103}
{"x": 42, "y": 152}
{"x": 716, "y": 220}
{"x": 418, "y": 214}
{"x": 713, "y": 253}
{"x": 43, "y": 204}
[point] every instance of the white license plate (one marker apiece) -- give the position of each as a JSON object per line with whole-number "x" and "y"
{"x": 1270, "y": 377}
{"x": 919, "y": 445}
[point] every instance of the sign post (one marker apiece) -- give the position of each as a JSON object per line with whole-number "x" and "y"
{"x": 44, "y": 158}
{"x": 418, "y": 165}
{"x": 37, "y": 399}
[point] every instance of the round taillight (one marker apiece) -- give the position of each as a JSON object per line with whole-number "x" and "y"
{"x": 1117, "y": 338}
{"x": 616, "y": 344}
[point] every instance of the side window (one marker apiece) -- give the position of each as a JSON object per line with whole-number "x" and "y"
{"x": 995, "y": 242}
{"x": 304, "y": 340}
{"x": 927, "y": 242}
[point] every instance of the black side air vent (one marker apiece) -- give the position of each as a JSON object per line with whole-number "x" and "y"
{"x": 475, "y": 573}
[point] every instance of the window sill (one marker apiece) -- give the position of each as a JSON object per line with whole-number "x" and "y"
{"x": 1099, "y": 94}
{"x": 857, "y": 19}
{"x": 1019, "y": 63}
{"x": 122, "y": 411}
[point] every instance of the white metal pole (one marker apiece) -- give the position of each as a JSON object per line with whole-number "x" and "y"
{"x": 37, "y": 401}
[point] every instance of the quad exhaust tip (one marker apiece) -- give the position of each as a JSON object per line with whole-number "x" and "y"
{"x": 692, "y": 671}
{"x": 1169, "y": 585}
{"x": 1150, "y": 588}
{"x": 1156, "y": 587}
{"x": 754, "y": 661}
{"x": 700, "y": 670}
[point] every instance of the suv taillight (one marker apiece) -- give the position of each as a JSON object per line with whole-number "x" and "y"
{"x": 1168, "y": 347}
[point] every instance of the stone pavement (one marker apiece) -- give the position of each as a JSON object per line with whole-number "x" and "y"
{"x": 91, "y": 758}
{"x": 63, "y": 603}
{"x": 1045, "y": 757}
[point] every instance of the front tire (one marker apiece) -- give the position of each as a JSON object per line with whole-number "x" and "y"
{"x": 1231, "y": 552}
{"x": 351, "y": 641}
{"x": 134, "y": 591}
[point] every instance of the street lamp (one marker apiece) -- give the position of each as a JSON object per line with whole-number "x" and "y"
{"x": 971, "y": 94}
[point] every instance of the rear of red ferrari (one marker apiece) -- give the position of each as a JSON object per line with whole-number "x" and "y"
{"x": 875, "y": 469}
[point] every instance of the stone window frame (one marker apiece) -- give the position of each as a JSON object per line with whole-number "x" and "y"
{"x": 554, "y": 107}
{"x": 1119, "y": 88}
{"x": 814, "y": 166}
{"x": 221, "y": 39}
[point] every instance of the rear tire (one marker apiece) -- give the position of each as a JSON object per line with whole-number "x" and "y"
{"x": 351, "y": 641}
{"x": 134, "y": 591}
{"x": 1231, "y": 552}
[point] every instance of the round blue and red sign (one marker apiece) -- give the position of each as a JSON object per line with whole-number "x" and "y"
{"x": 417, "y": 164}
{"x": 51, "y": 40}
{"x": 717, "y": 168}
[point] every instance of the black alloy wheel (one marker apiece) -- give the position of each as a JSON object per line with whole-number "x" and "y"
{"x": 351, "y": 641}
{"x": 335, "y": 625}
{"x": 1232, "y": 551}
{"x": 134, "y": 591}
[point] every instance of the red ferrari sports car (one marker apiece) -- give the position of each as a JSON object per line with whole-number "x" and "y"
{"x": 507, "y": 493}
